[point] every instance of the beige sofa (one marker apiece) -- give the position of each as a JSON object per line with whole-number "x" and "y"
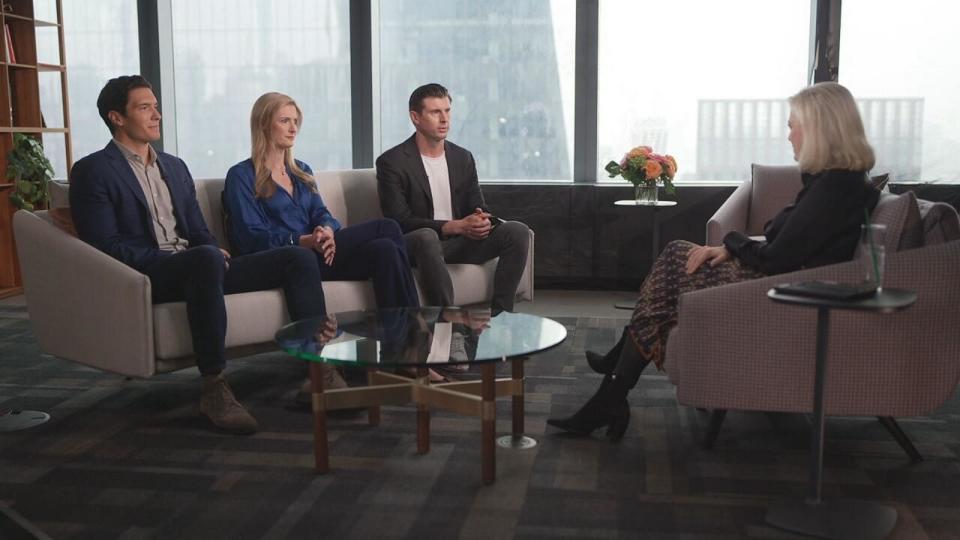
{"x": 87, "y": 307}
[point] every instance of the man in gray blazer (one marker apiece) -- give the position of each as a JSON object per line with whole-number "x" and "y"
{"x": 429, "y": 185}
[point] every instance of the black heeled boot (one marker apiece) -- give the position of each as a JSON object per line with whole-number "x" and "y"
{"x": 604, "y": 364}
{"x": 608, "y": 406}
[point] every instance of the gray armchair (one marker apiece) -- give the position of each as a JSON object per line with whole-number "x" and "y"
{"x": 734, "y": 349}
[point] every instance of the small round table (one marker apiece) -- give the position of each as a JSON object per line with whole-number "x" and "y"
{"x": 416, "y": 339}
{"x": 838, "y": 519}
{"x": 655, "y": 251}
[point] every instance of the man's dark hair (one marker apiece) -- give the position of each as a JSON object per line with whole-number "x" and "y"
{"x": 427, "y": 91}
{"x": 115, "y": 94}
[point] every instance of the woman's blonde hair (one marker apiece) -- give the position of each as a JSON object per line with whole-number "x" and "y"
{"x": 833, "y": 136}
{"x": 261, "y": 125}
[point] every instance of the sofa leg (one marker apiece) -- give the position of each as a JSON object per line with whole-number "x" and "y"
{"x": 713, "y": 428}
{"x": 894, "y": 428}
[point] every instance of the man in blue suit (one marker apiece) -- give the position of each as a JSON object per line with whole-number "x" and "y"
{"x": 140, "y": 207}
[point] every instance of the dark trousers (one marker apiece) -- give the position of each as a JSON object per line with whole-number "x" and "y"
{"x": 200, "y": 277}
{"x": 509, "y": 241}
{"x": 374, "y": 250}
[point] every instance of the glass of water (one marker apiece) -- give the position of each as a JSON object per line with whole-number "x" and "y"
{"x": 872, "y": 253}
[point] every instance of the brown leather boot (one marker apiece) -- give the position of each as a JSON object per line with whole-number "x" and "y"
{"x": 332, "y": 380}
{"x": 219, "y": 405}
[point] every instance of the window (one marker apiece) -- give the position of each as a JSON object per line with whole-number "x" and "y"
{"x": 101, "y": 43}
{"x": 907, "y": 88}
{"x": 706, "y": 82}
{"x": 509, "y": 65}
{"x": 227, "y": 53}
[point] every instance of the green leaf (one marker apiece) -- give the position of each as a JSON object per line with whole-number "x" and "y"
{"x": 613, "y": 168}
{"x": 30, "y": 170}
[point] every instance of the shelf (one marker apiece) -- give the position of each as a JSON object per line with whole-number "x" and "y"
{"x": 11, "y": 291}
{"x": 19, "y": 129}
{"x": 17, "y": 17}
{"x": 22, "y": 111}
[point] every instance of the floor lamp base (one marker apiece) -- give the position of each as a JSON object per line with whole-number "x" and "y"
{"x": 13, "y": 420}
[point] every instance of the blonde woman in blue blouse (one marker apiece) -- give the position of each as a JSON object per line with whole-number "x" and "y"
{"x": 272, "y": 201}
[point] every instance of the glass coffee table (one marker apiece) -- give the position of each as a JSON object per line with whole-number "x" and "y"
{"x": 398, "y": 347}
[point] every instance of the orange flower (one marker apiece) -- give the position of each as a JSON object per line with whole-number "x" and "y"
{"x": 671, "y": 166}
{"x": 639, "y": 151}
{"x": 654, "y": 169}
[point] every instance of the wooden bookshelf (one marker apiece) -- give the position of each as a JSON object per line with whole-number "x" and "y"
{"x": 20, "y": 111}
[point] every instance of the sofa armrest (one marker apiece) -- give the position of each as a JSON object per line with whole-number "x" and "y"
{"x": 84, "y": 305}
{"x": 731, "y": 216}
{"x": 736, "y": 349}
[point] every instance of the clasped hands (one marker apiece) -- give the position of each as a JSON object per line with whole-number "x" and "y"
{"x": 326, "y": 331}
{"x": 476, "y": 226}
{"x": 713, "y": 255}
{"x": 321, "y": 240}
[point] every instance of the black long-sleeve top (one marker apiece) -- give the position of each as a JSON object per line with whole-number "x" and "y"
{"x": 822, "y": 226}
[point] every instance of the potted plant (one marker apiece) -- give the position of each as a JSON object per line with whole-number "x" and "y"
{"x": 30, "y": 170}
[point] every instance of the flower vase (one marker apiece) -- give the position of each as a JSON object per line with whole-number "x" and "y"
{"x": 645, "y": 194}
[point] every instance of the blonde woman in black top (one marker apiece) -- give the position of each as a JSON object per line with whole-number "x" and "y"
{"x": 821, "y": 227}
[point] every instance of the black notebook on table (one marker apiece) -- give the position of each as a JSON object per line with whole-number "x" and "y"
{"x": 828, "y": 289}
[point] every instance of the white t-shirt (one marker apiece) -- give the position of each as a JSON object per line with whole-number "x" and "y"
{"x": 439, "y": 177}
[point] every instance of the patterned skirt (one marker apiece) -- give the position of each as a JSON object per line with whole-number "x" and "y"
{"x": 656, "y": 311}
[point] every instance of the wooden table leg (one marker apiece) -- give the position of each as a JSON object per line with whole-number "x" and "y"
{"x": 518, "y": 410}
{"x": 488, "y": 421}
{"x": 373, "y": 413}
{"x": 423, "y": 415}
{"x": 321, "y": 453}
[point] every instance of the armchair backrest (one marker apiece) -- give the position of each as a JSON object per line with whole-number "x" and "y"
{"x": 911, "y": 223}
{"x": 754, "y": 202}
{"x": 772, "y": 188}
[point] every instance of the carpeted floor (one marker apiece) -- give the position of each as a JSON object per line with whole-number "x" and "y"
{"x": 132, "y": 459}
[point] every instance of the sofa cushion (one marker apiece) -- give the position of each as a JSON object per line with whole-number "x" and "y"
{"x": 252, "y": 317}
{"x": 331, "y": 191}
{"x": 351, "y": 195}
{"x": 208, "y": 198}
{"x": 940, "y": 222}
{"x": 63, "y": 219}
{"x": 901, "y": 215}
{"x": 59, "y": 193}
{"x": 59, "y": 207}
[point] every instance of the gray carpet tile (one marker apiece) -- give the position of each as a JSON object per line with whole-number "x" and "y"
{"x": 133, "y": 459}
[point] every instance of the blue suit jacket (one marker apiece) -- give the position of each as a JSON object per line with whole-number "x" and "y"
{"x": 110, "y": 210}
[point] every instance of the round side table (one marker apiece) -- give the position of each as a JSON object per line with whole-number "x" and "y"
{"x": 836, "y": 519}
{"x": 654, "y": 206}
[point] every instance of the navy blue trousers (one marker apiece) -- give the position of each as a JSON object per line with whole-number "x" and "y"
{"x": 374, "y": 250}
{"x": 200, "y": 277}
